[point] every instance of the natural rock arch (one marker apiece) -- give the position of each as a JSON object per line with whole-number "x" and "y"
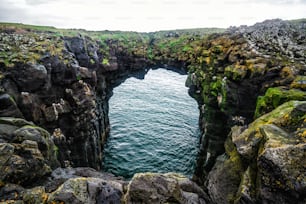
{"x": 74, "y": 76}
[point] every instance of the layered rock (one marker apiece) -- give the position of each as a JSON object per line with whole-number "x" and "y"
{"x": 43, "y": 82}
{"x": 27, "y": 152}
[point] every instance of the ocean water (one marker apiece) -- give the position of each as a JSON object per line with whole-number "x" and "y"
{"x": 154, "y": 126}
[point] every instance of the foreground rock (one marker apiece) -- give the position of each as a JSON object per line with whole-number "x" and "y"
{"x": 67, "y": 185}
{"x": 265, "y": 162}
{"x": 87, "y": 190}
{"x": 86, "y": 185}
{"x": 163, "y": 188}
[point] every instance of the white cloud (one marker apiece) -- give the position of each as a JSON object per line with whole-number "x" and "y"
{"x": 148, "y": 15}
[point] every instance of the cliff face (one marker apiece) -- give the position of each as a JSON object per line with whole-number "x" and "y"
{"x": 62, "y": 80}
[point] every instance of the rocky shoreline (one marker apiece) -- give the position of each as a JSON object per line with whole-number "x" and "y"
{"x": 249, "y": 83}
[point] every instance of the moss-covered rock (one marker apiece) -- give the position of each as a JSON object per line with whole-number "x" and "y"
{"x": 273, "y": 148}
{"x": 276, "y": 96}
{"x": 225, "y": 177}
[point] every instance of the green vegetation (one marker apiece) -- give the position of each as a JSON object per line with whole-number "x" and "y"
{"x": 275, "y": 97}
{"x": 161, "y": 46}
{"x": 105, "y": 61}
{"x": 28, "y": 47}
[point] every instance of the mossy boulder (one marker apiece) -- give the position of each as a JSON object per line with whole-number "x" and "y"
{"x": 281, "y": 167}
{"x": 274, "y": 147}
{"x": 276, "y": 96}
{"x": 264, "y": 161}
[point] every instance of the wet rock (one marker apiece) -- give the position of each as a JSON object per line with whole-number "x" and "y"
{"x": 163, "y": 188}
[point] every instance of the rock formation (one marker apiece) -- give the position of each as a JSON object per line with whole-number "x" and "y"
{"x": 54, "y": 91}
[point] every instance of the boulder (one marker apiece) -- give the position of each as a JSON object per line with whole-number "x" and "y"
{"x": 31, "y": 76}
{"x": 163, "y": 188}
{"x": 27, "y": 152}
{"x": 264, "y": 162}
{"x": 8, "y": 107}
{"x": 87, "y": 190}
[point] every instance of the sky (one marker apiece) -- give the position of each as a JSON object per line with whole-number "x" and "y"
{"x": 148, "y": 15}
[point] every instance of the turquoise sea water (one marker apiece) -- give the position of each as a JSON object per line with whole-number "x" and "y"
{"x": 154, "y": 126}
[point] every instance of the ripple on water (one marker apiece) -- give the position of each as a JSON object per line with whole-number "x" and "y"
{"x": 154, "y": 126}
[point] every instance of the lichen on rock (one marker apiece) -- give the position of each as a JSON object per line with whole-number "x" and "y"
{"x": 269, "y": 158}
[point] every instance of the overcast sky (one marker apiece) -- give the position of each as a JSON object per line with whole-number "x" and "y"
{"x": 147, "y": 15}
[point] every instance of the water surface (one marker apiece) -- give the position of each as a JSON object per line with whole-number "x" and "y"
{"x": 154, "y": 126}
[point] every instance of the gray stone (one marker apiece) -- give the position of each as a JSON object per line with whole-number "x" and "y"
{"x": 86, "y": 190}
{"x": 163, "y": 188}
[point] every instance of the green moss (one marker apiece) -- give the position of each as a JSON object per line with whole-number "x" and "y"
{"x": 275, "y": 97}
{"x": 234, "y": 156}
{"x": 217, "y": 49}
{"x": 234, "y": 168}
{"x": 15, "y": 121}
{"x": 91, "y": 61}
{"x": 235, "y": 72}
{"x": 55, "y": 150}
{"x": 105, "y": 61}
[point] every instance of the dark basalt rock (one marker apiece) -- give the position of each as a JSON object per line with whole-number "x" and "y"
{"x": 27, "y": 152}
{"x": 9, "y": 107}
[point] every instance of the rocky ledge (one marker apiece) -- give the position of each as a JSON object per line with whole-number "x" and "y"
{"x": 249, "y": 83}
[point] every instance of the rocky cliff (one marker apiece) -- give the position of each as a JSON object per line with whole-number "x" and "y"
{"x": 61, "y": 80}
